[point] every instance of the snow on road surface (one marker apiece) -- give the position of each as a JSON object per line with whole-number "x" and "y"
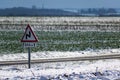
{"x": 76, "y": 70}
{"x": 56, "y": 54}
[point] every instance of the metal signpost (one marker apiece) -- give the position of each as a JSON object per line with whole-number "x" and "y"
{"x": 29, "y": 40}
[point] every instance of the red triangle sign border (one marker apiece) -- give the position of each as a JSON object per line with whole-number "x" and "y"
{"x": 35, "y": 38}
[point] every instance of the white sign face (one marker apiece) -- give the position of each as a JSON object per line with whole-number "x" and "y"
{"x": 29, "y": 44}
{"x": 29, "y": 35}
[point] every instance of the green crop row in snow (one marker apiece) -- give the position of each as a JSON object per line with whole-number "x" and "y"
{"x": 60, "y": 41}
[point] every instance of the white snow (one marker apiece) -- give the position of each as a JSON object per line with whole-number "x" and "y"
{"x": 38, "y": 22}
{"x": 76, "y": 70}
{"x": 56, "y": 54}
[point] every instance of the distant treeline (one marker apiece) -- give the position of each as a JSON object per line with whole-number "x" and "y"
{"x": 22, "y": 11}
{"x": 100, "y": 12}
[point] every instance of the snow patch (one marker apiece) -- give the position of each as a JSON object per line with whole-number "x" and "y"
{"x": 76, "y": 70}
{"x": 56, "y": 54}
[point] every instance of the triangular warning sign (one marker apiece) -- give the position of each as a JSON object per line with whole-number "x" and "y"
{"x": 29, "y": 35}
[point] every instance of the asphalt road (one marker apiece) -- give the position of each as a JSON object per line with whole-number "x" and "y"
{"x": 18, "y": 62}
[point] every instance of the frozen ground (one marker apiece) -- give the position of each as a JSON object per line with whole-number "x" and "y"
{"x": 55, "y": 54}
{"x": 81, "y": 70}
{"x": 49, "y": 23}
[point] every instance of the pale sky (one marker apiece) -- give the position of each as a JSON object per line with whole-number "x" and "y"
{"x": 61, "y": 3}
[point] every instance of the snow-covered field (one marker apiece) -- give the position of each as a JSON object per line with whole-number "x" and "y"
{"x": 77, "y": 70}
{"x": 61, "y": 23}
{"x": 56, "y": 54}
